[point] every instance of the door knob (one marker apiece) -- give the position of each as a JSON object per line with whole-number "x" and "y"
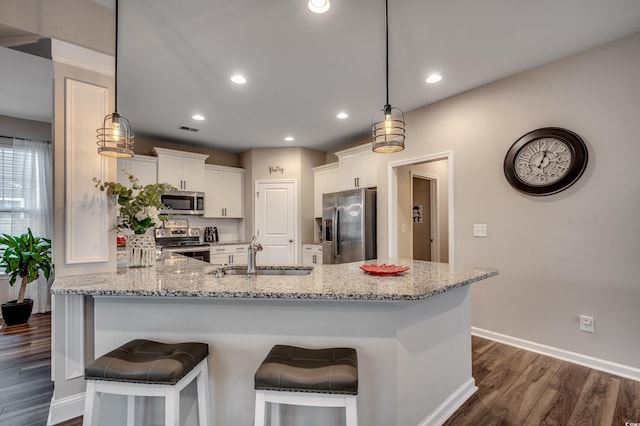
{"x": 290, "y": 241}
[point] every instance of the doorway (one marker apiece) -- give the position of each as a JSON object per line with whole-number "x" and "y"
{"x": 424, "y": 205}
{"x": 275, "y": 221}
{"x": 400, "y": 205}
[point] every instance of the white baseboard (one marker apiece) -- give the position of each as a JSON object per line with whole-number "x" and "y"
{"x": 573, "y": 357}
{"x": 451, "y": 404}
{"x": 65, "y": 409}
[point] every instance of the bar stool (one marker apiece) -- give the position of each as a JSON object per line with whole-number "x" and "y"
{"x": 310, "y": 377}
{"x": 146, "y": 368}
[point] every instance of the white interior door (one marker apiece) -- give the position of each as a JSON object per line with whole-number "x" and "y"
{"x": 276, "y": 222}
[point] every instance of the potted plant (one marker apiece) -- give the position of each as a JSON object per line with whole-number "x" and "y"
{"x": 24, "y": 256}
{"x": 138, "y": 213}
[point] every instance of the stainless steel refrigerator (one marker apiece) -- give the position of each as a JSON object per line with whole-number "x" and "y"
{"x": 349, "y": 226}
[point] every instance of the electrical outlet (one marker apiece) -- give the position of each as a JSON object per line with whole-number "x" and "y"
{"x": 586, "y": 323}
{"x": 480, "y": 230}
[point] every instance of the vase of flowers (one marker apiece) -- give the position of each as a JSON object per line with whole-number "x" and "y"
{"x": 139, "y": 213}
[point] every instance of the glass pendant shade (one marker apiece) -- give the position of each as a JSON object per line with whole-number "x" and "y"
{"x": 115, "y": 138}
{"x": 387, "y": 130}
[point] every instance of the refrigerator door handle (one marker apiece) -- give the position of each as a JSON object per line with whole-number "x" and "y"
{"x": 337, "y": 234}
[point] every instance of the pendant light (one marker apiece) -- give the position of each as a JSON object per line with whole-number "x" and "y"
{"x": 387, "y": 128}
{"x": 115, "y": 138}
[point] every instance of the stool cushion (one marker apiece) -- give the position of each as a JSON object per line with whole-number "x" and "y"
{"x": 145, "y": 361}
{"x": 289, "y": 368}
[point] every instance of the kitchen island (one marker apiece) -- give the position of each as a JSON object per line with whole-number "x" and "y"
{"x": 411, "y": 331}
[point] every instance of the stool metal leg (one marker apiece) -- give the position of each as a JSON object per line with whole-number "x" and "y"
{"x": 275, "y": 413}
{"x": 172, "y": 407}
{"x": 351, "y": 410}
{"x": 203, "y": 395}
{"x": 91, "y": 405}
{"x": 131, "y": 410}
{"x": 261, "y": 402}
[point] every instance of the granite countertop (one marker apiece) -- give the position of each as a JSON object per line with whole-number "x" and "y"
{"x": 179, "y": 276}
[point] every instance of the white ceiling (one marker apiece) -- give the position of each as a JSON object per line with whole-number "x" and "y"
{"x": 176, "y": 57}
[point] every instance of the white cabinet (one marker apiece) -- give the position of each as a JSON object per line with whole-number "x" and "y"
{"x": 312, "y": 254}
{"x": 358, "y": 167}
{"x": 143, "y": 167}
{"x": 223, "y": 192}
{"x": 229, "y": 254}
{"x": 184, "y": 170}
{"x": 325, "y": 180}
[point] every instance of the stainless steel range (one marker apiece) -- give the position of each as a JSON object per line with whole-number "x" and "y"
{"x": 176, "y": 237}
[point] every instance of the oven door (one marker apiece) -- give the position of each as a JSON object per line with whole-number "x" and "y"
{"x": 199, "y": 253}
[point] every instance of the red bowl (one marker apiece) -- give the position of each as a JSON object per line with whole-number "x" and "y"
{"x": 384, "y": 269}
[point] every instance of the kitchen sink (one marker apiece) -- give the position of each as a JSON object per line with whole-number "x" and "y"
{"x": 271, "y": 270}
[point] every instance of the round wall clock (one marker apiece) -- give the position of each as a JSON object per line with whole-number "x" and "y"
{"x": 545, "y": 161}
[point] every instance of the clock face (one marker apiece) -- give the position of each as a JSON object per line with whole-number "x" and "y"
{"x": 545, "y": 161}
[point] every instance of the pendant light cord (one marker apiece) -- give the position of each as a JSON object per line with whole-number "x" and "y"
{"x": 386, "y": 30}
{"x": 116, "y": 63}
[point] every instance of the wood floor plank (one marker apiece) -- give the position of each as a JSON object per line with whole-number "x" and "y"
{"x": 523, "y": 395}
{"x": 480, "y": 345}
{"x": 597, "y": 402}
{"x": 557, "y": 404}
{"x": 494, "y": 355}
{"x": 628, "y": 404}
{"x": 493, "y": 387}
{"x": 25, "y": 372}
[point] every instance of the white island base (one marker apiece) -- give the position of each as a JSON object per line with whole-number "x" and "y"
{"x": 414, "y": 357}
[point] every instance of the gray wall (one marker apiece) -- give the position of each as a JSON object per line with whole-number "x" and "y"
{"x": 144, "y": 145}
{"x": 27, "y": 129}
{"x": 559, "y": 256}
{"x": 296, "y": 164}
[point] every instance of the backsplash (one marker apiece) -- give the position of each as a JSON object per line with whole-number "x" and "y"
{"x": 228, "y": 229}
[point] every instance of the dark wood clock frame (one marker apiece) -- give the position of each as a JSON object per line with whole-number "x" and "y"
{"x": 576, "y": 169}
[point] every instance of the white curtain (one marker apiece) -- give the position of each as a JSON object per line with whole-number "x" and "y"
{"x": 32, "y": 180}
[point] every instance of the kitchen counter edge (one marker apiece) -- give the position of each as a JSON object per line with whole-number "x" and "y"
{"x": 193, "y": 279}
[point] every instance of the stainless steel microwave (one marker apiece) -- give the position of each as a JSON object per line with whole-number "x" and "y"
{"x": 183, "y": 202}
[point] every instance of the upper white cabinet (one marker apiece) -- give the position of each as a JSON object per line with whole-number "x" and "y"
{"x": 224, "y": 192}
{"x": 325, "y": 180}
{"x": 143, "y": 167}
{"x": 184, "y": 170}
{"x": 357, "y": 167}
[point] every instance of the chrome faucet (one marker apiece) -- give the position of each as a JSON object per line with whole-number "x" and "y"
{"x": 251, "y": 256}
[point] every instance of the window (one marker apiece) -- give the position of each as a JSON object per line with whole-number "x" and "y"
{"x": 25, "y": 192}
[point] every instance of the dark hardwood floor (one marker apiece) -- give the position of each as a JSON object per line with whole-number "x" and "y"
{"x": 25, "y": 372}
{"x": 515, "y": 387}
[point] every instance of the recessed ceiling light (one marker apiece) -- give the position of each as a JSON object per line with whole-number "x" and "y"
{"x": 238, "y": 79}
{"x": 198, "y": 117}
{"x": 434, "y": 78}
{"x": 319, "y": 6}
{"x": 342, "y": 115}
{"x": 289, "y": 139}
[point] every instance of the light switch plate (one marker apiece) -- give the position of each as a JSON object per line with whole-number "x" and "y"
{"x": 586, "y": 323}
{"x": 480, "y": 230}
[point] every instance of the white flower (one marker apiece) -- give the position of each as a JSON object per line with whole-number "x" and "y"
{"x": 149, "y": 212}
